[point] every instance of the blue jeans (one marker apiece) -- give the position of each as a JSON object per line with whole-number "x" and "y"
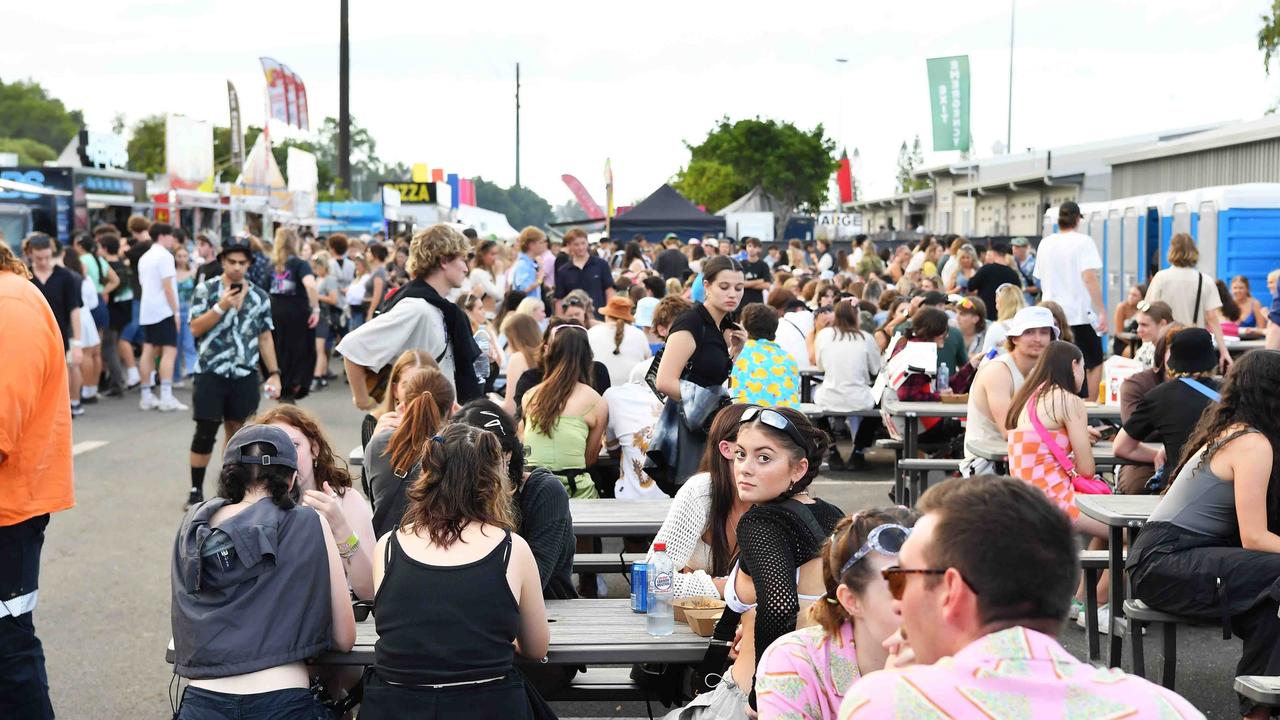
{"x": 288, "y": 704}
{"x": 186, "y": 343}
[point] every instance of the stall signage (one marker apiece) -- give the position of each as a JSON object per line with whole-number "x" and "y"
{"x": 414, "y": 193}
{"x": 28, "y": 177}
{"x": 103, "y": 150}
{"x": 106, "y": 185}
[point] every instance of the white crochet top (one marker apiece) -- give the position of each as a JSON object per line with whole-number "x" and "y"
{"x": 682, "y": 531}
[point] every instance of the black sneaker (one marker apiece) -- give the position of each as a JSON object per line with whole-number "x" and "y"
{"x": 91, "y": 400}
{"x": 195, "y": 497}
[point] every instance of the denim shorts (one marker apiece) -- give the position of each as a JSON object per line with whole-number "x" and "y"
{"x": 287, "y": 704}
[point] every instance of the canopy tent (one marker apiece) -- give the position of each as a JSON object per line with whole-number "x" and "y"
{"x": 665, "y": 211}
{"x": 756, "y": 200}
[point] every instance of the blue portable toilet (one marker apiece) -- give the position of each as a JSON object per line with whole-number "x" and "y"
{"x": 1237, "y": 231}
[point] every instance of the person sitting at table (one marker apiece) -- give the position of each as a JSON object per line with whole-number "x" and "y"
{"x": 1253, "y": 317}
{"x": 930, "y": 325}
{"x": 1132, "y": 479}
{"x": 459, "y": 594}
{"x": 246, "y": 569}
{"x": 998, "y": 380}
{"x": 701, "y": 528}
{"x": 1151, "y": 322}
{"x": 979, "y": 625}
{"x": 971, "y": 320}
{"x": 524, "y": 351}
{"x": 390, "y": 458}
{"x": 325, "y": 485}
{"x": 1125, "y": 321}
{"x": 764, "y": 373}
{"x": 1009, "y": 300}
{"x": 373, "y": 420}
{"x": 850, "y": 360}
{"x": 1169, "y": 412}
{"x": 597, "y": 377}
{"x": 541, "y": 505}
{"x": 1210, "y": 550}
{"x": 633, "y": 412}
{"x": 564, "y": 419}
{"x": 804, "y": 674}
{"x": 778, "y": 575}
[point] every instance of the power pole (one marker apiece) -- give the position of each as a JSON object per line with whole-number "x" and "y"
{"x": 1008, "y": 137}
{"x": 344, "y": 101}
{"x": 517, "y": 123}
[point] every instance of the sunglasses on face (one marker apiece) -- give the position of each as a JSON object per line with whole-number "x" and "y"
{"x": 896, "y": 577}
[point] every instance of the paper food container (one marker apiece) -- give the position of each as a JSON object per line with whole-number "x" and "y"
{"x": 703, "y": 622}
{"x": 683, "y": 605}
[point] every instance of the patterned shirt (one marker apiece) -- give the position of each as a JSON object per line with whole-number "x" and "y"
{"x": 766, "y": 374}
{"x": 1014, "y": 673}
{"x": 803, "y": 674}
{"x": 230, "y": 347}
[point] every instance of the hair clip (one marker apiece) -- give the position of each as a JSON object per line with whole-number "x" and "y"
{"x": 438, "y": 439}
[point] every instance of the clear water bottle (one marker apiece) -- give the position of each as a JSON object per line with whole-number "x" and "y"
{"x": 944, "y": 377}
{"x": 482, "y": 362}
{"x": 661, "y": 618}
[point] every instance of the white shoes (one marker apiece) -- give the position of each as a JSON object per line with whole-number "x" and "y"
{"x": 149, "y": 402}
{"x": 1104, "y": 621}
{"x": 170, "y": 405}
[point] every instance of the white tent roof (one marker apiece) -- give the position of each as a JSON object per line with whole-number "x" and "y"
{"x": 756, "y": 200}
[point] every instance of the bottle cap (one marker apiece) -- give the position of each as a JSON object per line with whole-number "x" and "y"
{"x": 659, "y": 547}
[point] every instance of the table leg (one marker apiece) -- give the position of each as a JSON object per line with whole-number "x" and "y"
{"x": 806, "y": 388}
{"x": 1091, "y": 614}
{"x": 910, "y": 441}
{"x": 1115, "y": 553}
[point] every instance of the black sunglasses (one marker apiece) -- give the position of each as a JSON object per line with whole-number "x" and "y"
{"x": 778, "y": 421}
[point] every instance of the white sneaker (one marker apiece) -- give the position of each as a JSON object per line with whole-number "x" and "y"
{"x": 170, "y": 405}
{"x": 1104, "y": 621}
{"x": 149, "y": 402}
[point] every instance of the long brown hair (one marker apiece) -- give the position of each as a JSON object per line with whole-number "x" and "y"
{"x": 846, "y": 319}
{"x": 329, "y": 467}
{"x": 408, "y": 360}
{"x": 849, "y": 536}
{"x": 523, "y": 335}
{"x": 428, "y": 398}
{"x": 566, "y": 363}
{"x": 723, "y": 486}
{"x": 1052, "y": 370}
{"x": 462, "y": 481}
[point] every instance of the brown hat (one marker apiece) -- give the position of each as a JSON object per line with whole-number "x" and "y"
{"x": 618, "y": 307}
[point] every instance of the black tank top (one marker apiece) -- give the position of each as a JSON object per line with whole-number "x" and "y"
{"x": 444, "y": 624}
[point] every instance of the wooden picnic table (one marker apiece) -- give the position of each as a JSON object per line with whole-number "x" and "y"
{"x": 1120, "y": 513}
{"x": 607, "y": 517}
{"x": 587, "y": 632}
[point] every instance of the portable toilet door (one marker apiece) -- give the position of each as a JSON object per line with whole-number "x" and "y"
{"x": 1113, "y": 289}
{"x": 1133, "y": 227}
{"x": 1245, "y": 219}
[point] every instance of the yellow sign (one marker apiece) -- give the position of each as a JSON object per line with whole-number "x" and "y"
{"x": 415, "y": 193}
{"x": 420, "y": 174}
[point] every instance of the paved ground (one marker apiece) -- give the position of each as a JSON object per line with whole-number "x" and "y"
{"x": 104, "y": 601}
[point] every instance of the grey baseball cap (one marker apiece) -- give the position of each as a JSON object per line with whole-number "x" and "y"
{"x": 285, "y": 453}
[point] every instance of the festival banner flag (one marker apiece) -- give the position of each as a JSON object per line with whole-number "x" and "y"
{"x": 456, "y": 187}
{"x": 277, "y": 95}
{"x": 301, "y": 115}
{"x": 949, "y": 96}
{"x": 437, "y": 175}
{"x": 844, "y": 180}
{"x": 237, "y": 138}
{"x": 290, "y": 95}
{"x": 608, "y": 185}
{"x": 580, "y": 193}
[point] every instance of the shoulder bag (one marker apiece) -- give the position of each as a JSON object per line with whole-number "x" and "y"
{"x": 1087, "y": 485}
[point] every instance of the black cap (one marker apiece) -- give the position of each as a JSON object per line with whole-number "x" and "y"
{"x": 1192, "y": 351}
{"x": 934, "y": 298}
{"x": 285, "y": 454}
{"x": 470, "y": 233}
{"x": 239, "y": 244}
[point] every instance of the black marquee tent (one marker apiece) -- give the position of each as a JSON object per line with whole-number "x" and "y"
{"x": 665, "y": 211}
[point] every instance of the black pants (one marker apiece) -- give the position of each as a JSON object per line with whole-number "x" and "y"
{"x": 24, "y": 686}
{"x": 289, "y": 704}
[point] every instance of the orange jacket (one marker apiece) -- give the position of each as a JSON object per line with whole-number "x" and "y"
{"x": 36, "y": 476}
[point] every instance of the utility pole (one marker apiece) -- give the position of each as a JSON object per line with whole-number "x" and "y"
{"x": 1008, "y": 137}
{"x": 517, "y": 123}
{"x": 344, "y": 101}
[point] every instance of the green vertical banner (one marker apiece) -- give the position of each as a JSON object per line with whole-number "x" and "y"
{"x": 949, "y": 96}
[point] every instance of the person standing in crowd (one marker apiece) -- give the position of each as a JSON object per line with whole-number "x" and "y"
{"x": 618, "y": 343}
{"x": 378, "y": 282}
{"x": 960, "y": 269}
{"x": 61, "y": 290}
{"x": 89, "y": 340}
{"x": 185, "y": 282}
{"x": 459, "y": 594}
{"x": 105, "y": 281}
{"x": 329, "y": 299}
{"x": 391, "y": 454}
{"x": 993, "y": 616}
{"x": 159, "y": 319}
{"x": 1210, "y": 550}
{"x": 701, "y": 348}
{"x": 756, "y": 273}
{"x": 36, "y": 475}
{"x": 242, "y": 655}
{"x": 1024, "y": 261}
{"x": 854, "y": 619}
{"x": 1191, "y": 294}
{"x": 232, "y": 325}
{"x": 1069, "y": 270}
{"x": 671, "y": 262}
{"x": 485, "y": 274}
{"x": 295, "y": 312}
{"x": 563, "y": 416}
{"x": 342, "y": 267}
{"x": 121, "y": 362}
{"x": 527, "y": 275}
{"x": 584, "y": 271}
{"x": 850, "y": 361}
{"x": 994, "y": 273}
{"x": 764, "y": 373}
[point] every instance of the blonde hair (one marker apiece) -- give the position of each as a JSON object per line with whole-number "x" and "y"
{"x": 527, "y": 306}
{"x": 433, "y": 246}
{"x": 1009, "y": 300}
{"x": 320, "y": 262}
{"x": 1182, "y": 251}
{"x": 529, "y": 236}
{"x": 523, "y": 335}
{"x": 285, "y": 246}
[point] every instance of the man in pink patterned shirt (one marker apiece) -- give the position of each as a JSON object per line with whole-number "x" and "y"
{"x": 983, "y": 586}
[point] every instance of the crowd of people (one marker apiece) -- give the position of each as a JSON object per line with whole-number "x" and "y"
{"x": 500, "y": 381}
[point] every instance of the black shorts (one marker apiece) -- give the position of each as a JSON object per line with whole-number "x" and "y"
{"x": 219, "y": 398}
{"x": 161, "y": 333}
{"x": 120, "y": 314}
{"x": 1089, "y": 343}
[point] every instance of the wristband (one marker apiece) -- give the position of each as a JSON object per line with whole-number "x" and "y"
{"x": 77, "y": 344}
{"x": 273, "y": 372}
{"x": 347, "y": 548}
{"x": 218, "y": 309}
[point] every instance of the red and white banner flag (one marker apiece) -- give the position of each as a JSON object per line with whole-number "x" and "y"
{"x": 277, "y": 96}
{"x": 302, "y": 116}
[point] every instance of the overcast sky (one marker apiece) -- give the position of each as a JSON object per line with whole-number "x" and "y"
{"x": 434, "y": 82}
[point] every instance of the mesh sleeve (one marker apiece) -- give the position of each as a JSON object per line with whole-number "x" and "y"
{"x": 769, "y": 556}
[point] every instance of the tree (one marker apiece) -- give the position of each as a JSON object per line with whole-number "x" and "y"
{"x": 521, "y": 205}
{"x": 708, "y": 183}
{"x": 30, "y": 152}
{"x": 27, "y": 111}
{"x": 146, "y": 145}
{"x": 908, "y": 161}
{"x": 1269, "y": 36}
{"x": 790, "y": 164}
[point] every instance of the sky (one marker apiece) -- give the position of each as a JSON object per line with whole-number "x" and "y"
{"x": 435, "y": 82}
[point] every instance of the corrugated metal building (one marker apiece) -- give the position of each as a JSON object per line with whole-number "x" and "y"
{"x": 1238, "y": 153}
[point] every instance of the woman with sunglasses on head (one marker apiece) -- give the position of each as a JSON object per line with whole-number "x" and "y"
{"x": 804, "y": 674}
{"x": 971, "y": 318}
{"x": 1151, "y": 322}
{"x": 779, "y": 572}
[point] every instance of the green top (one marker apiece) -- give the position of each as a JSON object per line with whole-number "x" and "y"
{"x": 565, "y": 448}
{"x": 93, "y": 271}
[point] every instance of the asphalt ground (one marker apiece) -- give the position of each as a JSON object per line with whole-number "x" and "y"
{"x": 104, "y": 590}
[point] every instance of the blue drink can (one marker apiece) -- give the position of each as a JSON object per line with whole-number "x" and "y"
{"x": 639, "y": 587}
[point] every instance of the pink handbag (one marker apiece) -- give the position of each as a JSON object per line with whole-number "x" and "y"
{"x": 1086, "y": 485}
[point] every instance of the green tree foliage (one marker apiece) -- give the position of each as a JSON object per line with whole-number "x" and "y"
{"x": 27, "y": 111}
{"x": 791, "y": 164}
{"x": 521, "y": 205}
{"x": 146, "y": 145}
{"x": 30, "y": 152}
{"x": 908, "y": 161}
{"x": 1269, "y": 36}
{"x": 708, "y": 183}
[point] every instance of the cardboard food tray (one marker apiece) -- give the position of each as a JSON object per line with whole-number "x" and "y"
{"x": 956, "y": 399}
{"x": 703, "y": 622}
{"x": 683, "y": 605}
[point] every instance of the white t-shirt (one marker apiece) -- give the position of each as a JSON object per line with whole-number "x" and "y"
{"x": 633, "y": 411}
{"x": 634, "y": 348}
{"x": 155, "y": 265}
{"x": 850, "y": 364}
{"x": 792, "y": 335}
{"x": 1060, "y": 261}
